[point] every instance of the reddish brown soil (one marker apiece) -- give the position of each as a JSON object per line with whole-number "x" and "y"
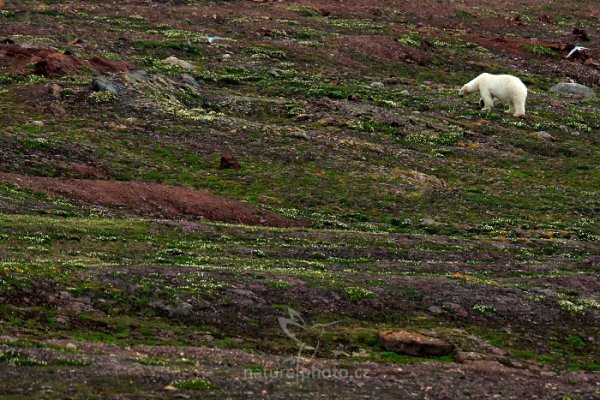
{"x": 382, "y": 48}
{"x": 52, "y": 63}
{"x": 151, "y": 198}
{"x": 513, "y": 46}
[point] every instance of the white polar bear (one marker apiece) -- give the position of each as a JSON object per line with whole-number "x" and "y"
{"x": 507, "y": 88}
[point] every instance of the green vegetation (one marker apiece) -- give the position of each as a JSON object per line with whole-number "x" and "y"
{"x": 410, "y": 208}
{"x": 196, "y": 384}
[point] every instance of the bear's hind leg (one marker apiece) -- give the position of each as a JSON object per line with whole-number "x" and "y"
{"x": 511, "y": 108}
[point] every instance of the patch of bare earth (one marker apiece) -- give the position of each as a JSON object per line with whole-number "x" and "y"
{"x": 51, "y": 63}
{"x": 152, "y": 198}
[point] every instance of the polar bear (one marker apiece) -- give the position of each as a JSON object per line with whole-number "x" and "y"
{"x": 507, "y": 88}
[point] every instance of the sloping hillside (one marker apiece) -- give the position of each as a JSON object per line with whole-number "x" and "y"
{"x": 179, "y": 177}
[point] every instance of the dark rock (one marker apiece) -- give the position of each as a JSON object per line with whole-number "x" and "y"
{"x": 581, "y": 34}
{"x": 229, "y": 162}
{"x": 103, "y": 84}
{"x": 182, "y": 309}
{"x": 413, "y": 344}
{"x": 8, "y": 41}
{"x": 457, "y": 309}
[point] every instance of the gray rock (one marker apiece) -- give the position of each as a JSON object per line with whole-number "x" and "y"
{"x": 39, "y": 124}
{"x": 544, "y": 135}
{"x": 435, "y": 310}
{"x": 182, "y": 309}
{"x": 405, "y": 92}
{"x": 276, "y": 72}
{"x": 71, "y": 346}
{"x": 103, "y": 84}
{"x": 428, "y": 222}
{"x": 190, "y": 80}
{"x": 300, "y": 135}
{"x": 376, "y": 85}
{"x": 181, "y": 63}
{"x": 573, "y": 88}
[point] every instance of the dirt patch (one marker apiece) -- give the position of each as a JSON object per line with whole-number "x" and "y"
{"x": 382, "y": 48}
{"x": 52, "y": 63}
{"x": 152, "y": 198}
{"x": 515, "y": 46}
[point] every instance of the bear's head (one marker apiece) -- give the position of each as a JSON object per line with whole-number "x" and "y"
{"x": 463, "y": 91}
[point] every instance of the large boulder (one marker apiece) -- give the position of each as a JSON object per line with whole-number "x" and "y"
{"x": 413, "y": 344}
{"x": 573, "y": 88}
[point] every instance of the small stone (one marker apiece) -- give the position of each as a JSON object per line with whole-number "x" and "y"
{"x": 413, "y": 344}
{"x": 190, "y": 80}
{"x": 172, "y": 60}
{"x": 544, "y": 135}
{"x": 56, "y": 109}
{"x": 463, "y": 357}
{"x": 428, "y": 221}
{"x": 300, "y": 135}
{"x": 520, "y": 232}
{"x": 102, "y": 84}
{"x": 71, "y": 347}
{"x": 574, "y": 89}
{"x": 54, "y": 91}
{"x": 228, "y": 161}
{"x": 435, "y": 310}
{"x": 39, "y": 124}
{"x": 170, "y": 388}
{"x": 376, "y": 85}
{"x": 457, "y": 309}
{"x": 405, "y": 92}
{"x": 276, "y": 72}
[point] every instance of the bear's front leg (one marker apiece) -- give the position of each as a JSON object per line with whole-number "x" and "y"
{"x": 488, "y": 101}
